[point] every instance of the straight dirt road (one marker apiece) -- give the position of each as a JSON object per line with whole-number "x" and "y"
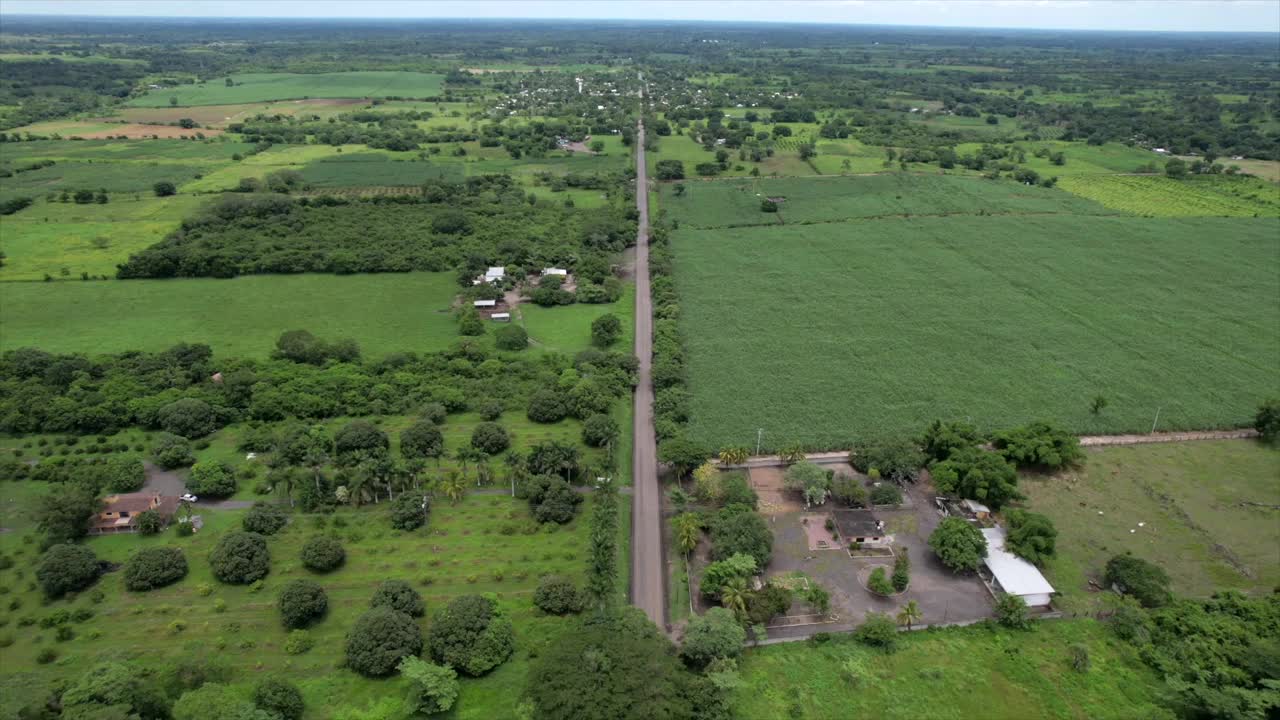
{"x": 648, "y": 575}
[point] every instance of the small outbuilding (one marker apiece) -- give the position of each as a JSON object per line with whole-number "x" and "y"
{"x": 861, "y": 526}
{"x": 500, "y": 317}
{"x": 976, "y": 509}
{"x": 1012, "y": 574}
{"x": 555, "y": 271}
{"x": 484, "y": 303}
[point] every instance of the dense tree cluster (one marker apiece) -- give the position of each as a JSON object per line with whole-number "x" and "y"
{"x": 379, "y": 639}
{"x": 399, "y": 596}
{"x": 240, "y": 558}
{"x": 154, "y": 567}
{"x": 302, "y": 603}
{"x": 472, "y": 635}
{"x": 959, "y": 545}
{"x": 67, "y": 568}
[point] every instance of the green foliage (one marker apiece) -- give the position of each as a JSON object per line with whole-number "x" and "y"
{"x": 432, "y": 688}
{"x": 737, "y": 530}
{"x": 164, "y": 188}
{"x": 188, "y": 417}
{"x": 409, "y": 511}
{"x": 323, "y": 554}
{"x": 1030, "y": 535}
{"x": 67, "y": 568}
{"x": 298, "y": 642}
{"x": 669, "y": 170}
{"x": 1146, "y": 582}
{"x": 359, "y": 439}
{"x": 398, "y": 595}
{"x": 302, "y": 603}
{"x": 124, "y": 475}
{"x": 602, "y": 566}
{"x": 721, "y": 572}
{"x": 810, "y": 480}
{"x": 422, "y": 440}
{"x": 112, "y": 689}
{"x": 211, "y": 479}
{"x": 264, "y": 519}
{"x": 490, "y": 438}
{"x": 281, "y": 699}
{"x": 551, "y": 499}
{"x": 767, "y": 603}
{"x": 63, "y": 515}
{"x": 172, "y": 451}
{"x": 1267, "y": 421}
{"x": 1011, "y": 612}
{"x": 897, "y": 460}
{"x": 901, "y": 569}
{"x": 711, "y": 636}
{"x": 599, "y": 430}
{"x": 980, "y": 475}
{"x": 379, "y": 639}
{"x": 1039, "y": 445}
{"x": 849, "y": 491}
{"x": 471, "y": 634}
{"x": 240, "y": 558}
{"x": 605, "y": 330}
{"x": 879, "y": 583}
{"x": 215, "y": 701}
{"x": 878, "y": 630}
{"x": 886, "y": 493}
{"x": 154, "y": 567}
{"x": 150, "y": 522}
{"x": 735, "y": 489}
{"x": 547, "y": 406}
{"x": 941, "y": 440}
{"x": 557, "y": 595}
{"x": 511, "y": 337}
{"x": 959, "y": 544}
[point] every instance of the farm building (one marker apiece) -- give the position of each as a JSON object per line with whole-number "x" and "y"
{"x": 861, "y": 526}
{"x": 492, "y": 275}
{"x": 480, "y": 304}
{"x": 977, "y": 509}
{"x": 1012, "y": 574}
{"x": 120, "y": 512}
{"x": 500, "y": 317}
{"x": 555, "y": 271}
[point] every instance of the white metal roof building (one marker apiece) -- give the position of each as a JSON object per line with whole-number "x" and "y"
{"x": 495, "y": 273}
{"x": 484, "y": 303}
{"x": 1015, "y": 575}
{"x": 555, "y": 271}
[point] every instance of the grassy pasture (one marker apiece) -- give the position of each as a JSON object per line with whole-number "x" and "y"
{"x": 114, "y": 177}
{"x": 1187, "y": 495}
{"x": 952, "y": 675}
{"x": 729, "y": 203}
{"x": 1159, "y": 196}
{"x": 261, "y": 87}
{"x": 221, "y": 115}
{"x": 157, "y": 151}
{"x": 63, "y": 240}
{"x": 876, "y": 327}
{"x": 375, "y": 169}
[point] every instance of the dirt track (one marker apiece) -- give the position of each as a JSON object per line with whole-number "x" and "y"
{"x": 648, "y": 576}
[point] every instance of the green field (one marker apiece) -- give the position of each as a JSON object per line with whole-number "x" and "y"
{"x": 457, "y": 554}
{"x": 155, "y": 151}
{"x": 261, "y": 87}
{"x": 956, "y": 674}
{"x": 1159, "y": 196}
{"x": 731, "y": 203}
{"x": 827, "y": 334}
{"x": 63, "y": 240}
{"x": 376, "y": 169}
{"x": 1188, "y": 498}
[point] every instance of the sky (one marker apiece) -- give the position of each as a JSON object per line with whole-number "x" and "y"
{"x": 1172, "y": 15}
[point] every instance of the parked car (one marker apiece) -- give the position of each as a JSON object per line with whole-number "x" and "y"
{"x": 188, "y": 497}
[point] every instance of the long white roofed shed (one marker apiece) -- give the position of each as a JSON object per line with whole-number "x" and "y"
{"x": 555, "y": 271}
{"x": 1015, "y": 575}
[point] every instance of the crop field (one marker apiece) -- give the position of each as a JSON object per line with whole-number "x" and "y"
{"x": 117, "y": 177}
{"x": 951, "y": 675}
{"x": 680, "y": 147}
{"x": 1159, "y": 196}
{"x": 1191, "y": 500}
{"x": 261, "y": 87}
{"x": 63, "y": 240}
{"x": 456, "y": 554}
{"x": 876, "y": 327}
{"x": 158, "y": 151}
{"x": 376, "y": 169}
{"x": 221, "y": 115}
{"x": 731, "y": 203}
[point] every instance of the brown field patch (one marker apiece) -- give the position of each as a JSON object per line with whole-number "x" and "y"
{"x": 136, "y": 130}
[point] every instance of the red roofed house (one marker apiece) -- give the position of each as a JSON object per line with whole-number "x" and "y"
{"x": 120, "y": 512}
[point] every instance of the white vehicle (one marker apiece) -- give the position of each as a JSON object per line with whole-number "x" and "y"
{"x": 188, "y": 497}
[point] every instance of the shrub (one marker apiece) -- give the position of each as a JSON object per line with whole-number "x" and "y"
{"x": 184, "y": 529}
{"x": 886, "y": 493}
{"x": 1040, "y": 445}
{"x": 150, "y": 522}
{"x": 716, "y": 634}
{"x": 1267, "y": 420}
{"x": 879, "y": 583}
{"x": 124, "y": 474}
{"x": 322, "y": 554}
{"x": 490, "y": 438}
{"x": 1145, "y": 582}
{"x": 1030, "y": 535}
{"x": 154, "y": 567}
{"x": 46, "y": 656}
{"x": 899, "y": 460}
{"x": 738, "y": 530}
{"x": 605, "y": 330}
{"x": 491, "y": 410}
{"x": 434, "y": 413}
{"x": 409, "y": 511}
{"x": 720, "y": 573}
{"x": 979, "y": 475}
{"x": 510, "y": 337}
{"x": 281, "y": 699}
{"x": 551, "y": 499}
{"x": 735, "y": 490}
{"x": 1011, "y": 611}
{"x": 359, "y": 438}
{"x": 379, "y": 639}
{"x": 471, "y": 635}
{"x": 240, "y": 558}
{"x": 298, "y": 642}
{"x": 164, "y": 188}
{"x": 547, "y": 406}
{"x": 67, "y": 568}
{"x": 211, "y": 479}
{"x": 849, "y": 491}
{"x": 959, "y": 545}
{"x": 172, "y": 451}
{"x": 768, "y": 603}
{"x": 188, "y": 417}
{"x": 878, "y": 630}
{"x": 264, "y": 519}
{"x": 901, "y": 570}
{"x": 432, "y": 688}
{"x": 599, "y": 430}
{"x": 399, "y": 596}
{"x": 941, "y": 439}
{"x": 302, "y": 603}
{"x": 557, "y": 595}
{"x": 422, "y": 439}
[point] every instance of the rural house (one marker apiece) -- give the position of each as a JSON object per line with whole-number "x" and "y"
{"x": 120, "y": 512}
{"x": 1012, "y": 574}
{"x": 861, "y": 526}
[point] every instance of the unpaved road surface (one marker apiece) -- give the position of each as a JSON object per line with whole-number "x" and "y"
{"x": 648, "y": 575}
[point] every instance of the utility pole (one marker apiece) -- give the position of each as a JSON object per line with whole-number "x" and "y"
{"x": 759, "y": 433}
{"x": 1153, "y": 422}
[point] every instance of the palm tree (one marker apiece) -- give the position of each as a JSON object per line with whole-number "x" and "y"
{"x": 514, "y": 462}
{"x": 909, "y": 614}
{"x": 679, "y": 498}
{"x": 734, "y": 597}
{"x": 734, "y": 455}
{"x": 687, "y": 530}
{"x": 454, "y": 486}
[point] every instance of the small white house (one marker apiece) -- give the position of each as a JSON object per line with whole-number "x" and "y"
{"x": 500, "y": 317}
{"x": 1014, "y": 575}
{"x": 484, "y": 303}
{"x": 977, "y": 509}
{"x": 495, "y": 274}
{"x": 555, "y": 271}
{"x": 1161, "y": 151}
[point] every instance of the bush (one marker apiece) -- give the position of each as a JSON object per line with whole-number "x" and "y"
{"x": 281, "y": 699}
{"x": 547, "y": 406}
{"x": 302, "y": 603}
{"x": 471, "y": 635}
{"x": 849, "y": 491}
{"x": 379, "y": 639}
{"x": 1145, "y": 582}
{"x": 979, "y": 475}
{"x": 409, "y": 511}
{"x": 1030, "y": 535}
{"x": 1267, "y": 421}
{"x": 240, "y": 558}
{"x": 557, "y": 595}
{"x": 154, "y": 567}
{"x": 941, "y": 439}
{"x": 959, "y": 545}
{"x": 322, "y": 554}
{"x": 511, "y": 337}
{"x": 878, "y": 630}
{"x": 264, "y": 519}
{"x": 164, "y": 188}
{"x": 358, "y": 439}
{"x": 879, "y": 583}
{"x": 551, "y": 499}
{"x": 150, "y": 522}
{"x": 1011, "y": 612}
{"x": 1039, "y": 445}
{"x": 432, "y": 688}
{"x": 899, "y": 460}
{"x": 886, "y": 493}
{"x": 435, "y": 413}
{"x": 491, "y": 410}
{"x": 715, "y": 635}
{"x": 490, "y": 438}
{"x": 768, "y": 603}
{"x": 399, "y": 596}
{"x": 188, "y": 417}
{"x": 422, "y": 439}
{"x": 211, "y": 479}
{"x": 722, "y": 572}
{"x": 737, "y": 530}
{"x": 901, "y": 570}
{"x": 735, "y": 490}
{"x": 599, "y": 430}
{"x": 298, "y": 642}
{"x": 67, "y": 568}
{"x": 172, "y": 451}
{"x": 605, "y": 330}
{"x": 124, "y": 475}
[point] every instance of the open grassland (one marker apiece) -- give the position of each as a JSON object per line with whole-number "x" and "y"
{"x": 376, "y": 169}
{"x": 731, "y": 203}
{"x": 1159, "y": 196}
{"x": 63, "y": 240}
{"x": 221, "y": 115}
{"x": 114, "y": 177}
{"x": 828, "y": 334}
{"x": 261, "y": 87}
{"x": 784, "y": 161}
{"x": 1080, "y": 158}
{"x": 156, "y": 151}
{"x": 951, "y": 675}
{"x": 99, "y": 130}
{"x": 464, "y": 549}
{"x": 567, "y": 328}
{"x": 1193, "y": 502}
